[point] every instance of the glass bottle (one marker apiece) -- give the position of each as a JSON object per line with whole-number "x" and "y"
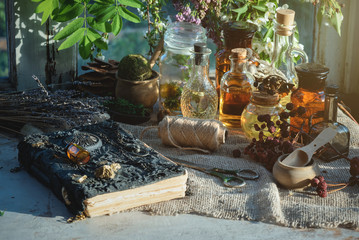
{"x": 199, "y": 97}
{"x": 175, "y": 64}
{"x": 236, "y": 35}
{"x": 235, "y": 90}
{"x": 310, "y": 94}
{"x": 284, "y": 49}
{"x": 77, "y": 154}
{"x": 261, "y": 103}
{"x": 341, "y": 141}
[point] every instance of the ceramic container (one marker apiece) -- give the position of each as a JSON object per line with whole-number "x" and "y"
{"x": 294, "y": 177}
{"x": 139, "y": 92}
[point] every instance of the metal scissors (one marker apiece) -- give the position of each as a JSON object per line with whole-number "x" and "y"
{"x": 230, "y": 178}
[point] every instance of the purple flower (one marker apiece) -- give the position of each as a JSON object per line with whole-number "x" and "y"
{"x": 180, "y": 17}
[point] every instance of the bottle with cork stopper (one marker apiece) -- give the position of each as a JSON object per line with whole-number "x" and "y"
{"x": 236, "y": 35}
{"x": 235, "y": 90}
{"x": 199, "y": 97}
{"x": 284, "y": 49}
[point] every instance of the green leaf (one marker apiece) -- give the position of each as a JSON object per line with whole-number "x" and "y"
{"x": 336, "y": 22}
{"x": 85, "y": 47}
{"x": 260, "y": 8}
{"x": 102, "y": 27}
{"x": 105, "y": 2}
{"x": 46, "y": 8}
{"x": 126, "y": 14}
{"x": 101, "y": 44}
{"x": 116, "y": 25}
{"x": 70, "y": 13}
{"x": 106, "y": 15}
{"x": 72, "y": 39}
{"x": 70, "y": 28}
{"x": 132, "y": 3}
{"x": 96, "y": 8}
{"x": 240, "y": 11}
{"x": 92, "y": 34}
{"x": 36, "y": 0}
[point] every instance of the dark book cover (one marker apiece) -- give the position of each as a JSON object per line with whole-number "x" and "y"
{"x": 44, "y": 156}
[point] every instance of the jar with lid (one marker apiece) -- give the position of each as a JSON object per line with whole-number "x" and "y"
{"x": 235, "y": 90}
{"x": 261, "y": 103}
{"x": 342, "y": 139}
{"x": 236, "y": 35}
{"x": 310, "y": 95}
{"x": 199, "y": 97}
{"x": 175, "y": 64}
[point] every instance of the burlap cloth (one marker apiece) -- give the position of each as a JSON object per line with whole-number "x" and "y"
{"x": 260, "y": 200}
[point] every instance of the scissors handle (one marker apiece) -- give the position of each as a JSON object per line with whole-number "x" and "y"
{"x": 229, "y": 181}
{"x": 242, "y": 173}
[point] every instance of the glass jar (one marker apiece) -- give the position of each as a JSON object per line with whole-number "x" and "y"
{"x": 235, "y": 90}
{"x": 199, "y": 97}
{"x": 342, "y": 139}
{"x": 236, "y": 35}
{"x": 175, "y": 64}
{"x": 261, "y": 104}
{"x": 284, "y": 50}
{"x": 310, "y": 94}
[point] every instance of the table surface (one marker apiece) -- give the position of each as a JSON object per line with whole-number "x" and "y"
{"x": 31, "y": 211}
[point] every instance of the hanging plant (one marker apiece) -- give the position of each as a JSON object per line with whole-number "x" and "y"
{"x": 90, "y": 22}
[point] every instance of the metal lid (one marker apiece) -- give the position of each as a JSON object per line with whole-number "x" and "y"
{"x": 312, "y": 69}
{"x": 332, "y": 89}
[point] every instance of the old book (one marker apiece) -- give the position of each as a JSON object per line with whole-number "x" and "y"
{"x": 145, "y": 176}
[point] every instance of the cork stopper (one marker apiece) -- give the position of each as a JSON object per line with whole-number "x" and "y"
{"x": 285, "y": 20}
{"x": 264, "y": 99}
{"x": 240, "y": 53}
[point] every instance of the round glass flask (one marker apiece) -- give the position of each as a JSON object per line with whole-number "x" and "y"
{"x": 260, "y": 104}
{"x": 175, "y": 63}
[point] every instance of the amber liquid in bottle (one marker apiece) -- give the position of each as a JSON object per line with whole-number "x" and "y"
{"x": 313, "y": 103}
{"x": 77, "y": 154}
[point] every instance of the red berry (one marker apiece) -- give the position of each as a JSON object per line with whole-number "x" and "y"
{"x": 322, "y": 185}
{"x": 314, "y": 182}
{"x": 289, "y": 106}
{"x": 322, "y": 193}
{"x": 321, "y": 178}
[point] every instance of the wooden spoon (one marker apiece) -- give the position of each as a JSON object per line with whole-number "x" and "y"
{"x": 301, "y": 156}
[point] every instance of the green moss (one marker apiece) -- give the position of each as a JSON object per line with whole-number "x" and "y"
{"x": 134, "y": 67}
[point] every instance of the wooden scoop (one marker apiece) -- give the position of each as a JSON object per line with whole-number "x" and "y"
{"x": 301, "y": 156}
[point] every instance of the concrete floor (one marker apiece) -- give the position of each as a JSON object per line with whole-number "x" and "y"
{"x": 31, "y": 211}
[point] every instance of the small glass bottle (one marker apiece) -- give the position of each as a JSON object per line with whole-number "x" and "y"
{"x": 236, "y": 35}
{"x": 199, "y": 97}
{"x": 341, "y": 141}
{"x": 175, "y": 63}
{"x": 284, "y": 49}
{"x": 77, "y": 154}
{"x": 261, "y": 104}
{"x": 236, "y": 89}
{"x": 310, "y": 94}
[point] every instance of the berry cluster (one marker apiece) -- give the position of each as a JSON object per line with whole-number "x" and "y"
{"x": 266, "y": 150}
{"x": 273, "y": 84}
{"x": 321, "y": 186}
{"x": 354, "y": 171}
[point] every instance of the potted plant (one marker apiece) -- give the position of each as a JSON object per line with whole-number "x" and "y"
{"x": 136, "y": 81}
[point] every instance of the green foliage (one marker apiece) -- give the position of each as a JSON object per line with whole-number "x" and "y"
{"x": 98, "y": 19}
{"x": 331, "y": 9}
{"x": 2, "y": 213}
{"x": 125, "y": 107}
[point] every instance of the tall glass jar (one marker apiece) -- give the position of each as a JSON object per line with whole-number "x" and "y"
{"x": 236, "y": 35}
{"x": 261, "y": 104}
{"x": 235, "y": 90}
{"x": 310, "y": 94}
{"x": 175, "y": 64}
{"x": 199, "y": 97}
{"x": 284, "y": 49}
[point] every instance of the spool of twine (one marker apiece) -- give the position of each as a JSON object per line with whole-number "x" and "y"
{"x": 192, "y": 134}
